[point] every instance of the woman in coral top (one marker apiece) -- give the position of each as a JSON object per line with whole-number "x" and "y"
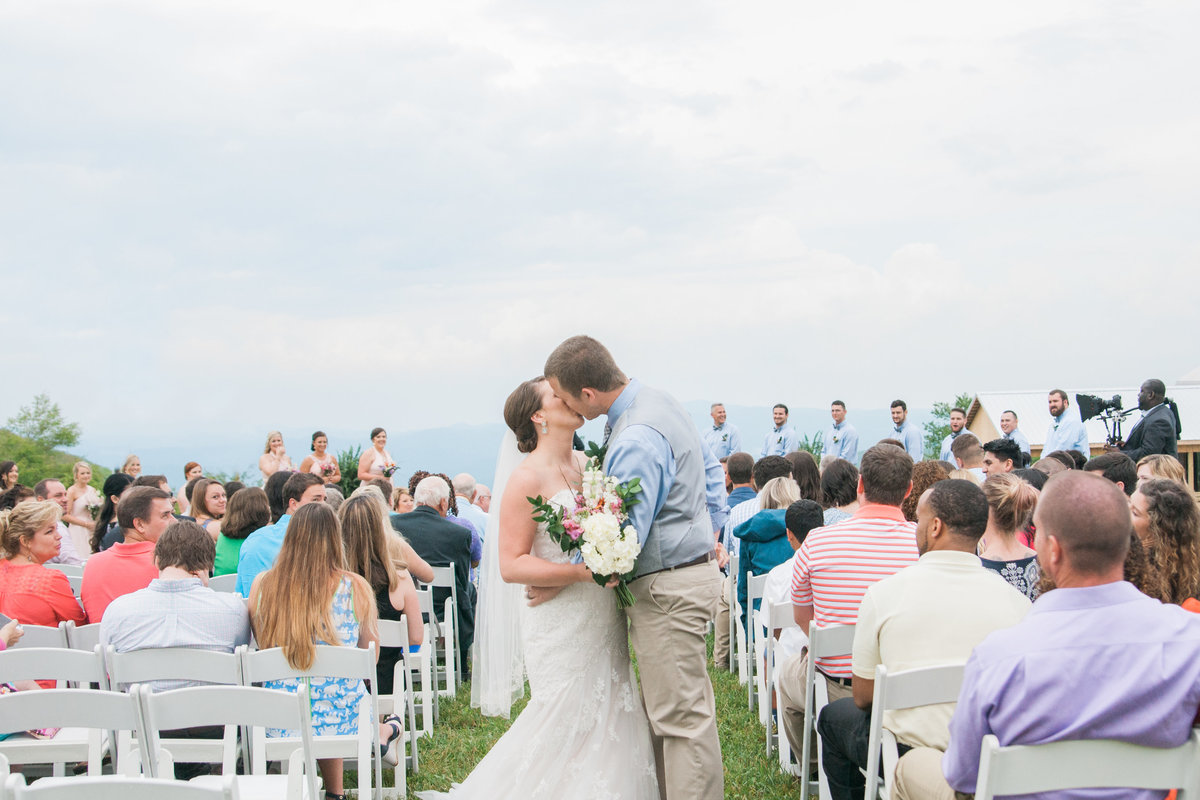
{"x": 29, "y": 592}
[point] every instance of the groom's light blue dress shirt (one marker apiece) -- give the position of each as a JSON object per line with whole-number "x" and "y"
{"x": 1066, "y": 433}
{"x": 841, "y": 441}
{"x": 640, "y": 451}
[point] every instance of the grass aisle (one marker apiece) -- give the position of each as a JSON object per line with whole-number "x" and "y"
{"x": 463, "y": 737}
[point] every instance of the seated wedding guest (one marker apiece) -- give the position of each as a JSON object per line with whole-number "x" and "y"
{"x": 764, "y": 536}
{"x": 15, "y": 496}
{"x": 1118, "y": 468}
{"x": 156, "y": 481}
{"x": 82, "y": 501}
{"x": 373, "y": 551}
{"x": 261, "y": 547}
{"x": 384, "y": 485}
{"x": 402, "y": 501}
{"x": 1166, "y": 520}
{"x": 132, "y": 466}
{"x": 1001, "y": 455}
{"x": 765, "y": 470}
{"x": 930, "y": 614}
{"x": 482, "y": 498}
{"x": 739, "y": 467}
{"x": 439, "y": 541}
{"x": 208, "y": 505}
{"x": 1010, "y": 502}
{"x": 1161, "y": 465}
{"x": 10, "y": 633}
{"x": 464, "y": 489}
{"x": 321, "y": 463}
{"x": 416, "y": 565}
{"x": 1067, "y": 458}
{"x": 232, "y": 488}
{"x": 800, "y": 518}
{"x": 247, "y": 512}
{"x": 106, "y": 520}
{"x": 274, "y": 489}
{"x": 376, "y": 461}
{"x": 1033, "y": 477}
{"x": 452, "y": 516}
{"x": 333, "y": 496}
{"x": 309, "y": 598}
{"x": 925, "y": 474}
{"x": 968, "y": 454}
{"x": 274, "y": 458}
{"x": 836, "y": 564}
{"x": 839, "y": 490}
{"x": 128, "y": 565}
{"x": 1022, "y": 684}
{"x": 53, "y": 490}
{"x": 30, "y": 592}
{"x": 10, "y": 475}
{"x": 806, "y": 474}
{"x": 191, "y": 471}
{"x": 177, "y": 609}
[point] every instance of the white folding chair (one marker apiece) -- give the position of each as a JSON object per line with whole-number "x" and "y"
{"x": 66, "y": 569}
{"x": 172, "y": 668}
{"x": 82, "y": 637}
{"x": 778, "y": 616}
{"x": 395, "y": 634}
{"x": 223, "y": 583}
{"x": 443, "y": 578}
{"x": 836, "y": 640}
{"x": 40, "y": 635}
{"x": 910, "y": 688}
{"x": 731, "y": 600}
{"x": 423, "y": 665}
{"x": 113, "y": 787}
{"x": 84, "y": 717}
{"x": 333, "y": 662}
{"x": 754, "y": 591}
{"x": 1087, "y": 764}
{"x": 234, "y": 706}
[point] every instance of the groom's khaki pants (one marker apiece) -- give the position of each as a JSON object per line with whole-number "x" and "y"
{"x": 669, "y": 623}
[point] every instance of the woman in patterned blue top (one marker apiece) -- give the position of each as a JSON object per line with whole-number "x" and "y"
{"x": 306, "y": 599}
{"x": 1010, "y": 503}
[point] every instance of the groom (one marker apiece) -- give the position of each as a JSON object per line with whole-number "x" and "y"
{"x": 650, "y": 436}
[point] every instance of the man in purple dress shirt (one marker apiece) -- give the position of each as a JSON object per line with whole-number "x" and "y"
{"x": 1094, "y": 659}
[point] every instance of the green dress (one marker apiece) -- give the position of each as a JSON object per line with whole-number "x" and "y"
{"x": 227, "y": 555}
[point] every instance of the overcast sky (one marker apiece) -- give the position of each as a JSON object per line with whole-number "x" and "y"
{"x": 232, "y": 216}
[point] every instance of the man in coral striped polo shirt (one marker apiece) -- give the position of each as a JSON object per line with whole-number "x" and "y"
{"x": 836, "y": 564}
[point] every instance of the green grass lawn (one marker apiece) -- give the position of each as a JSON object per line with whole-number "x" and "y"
{"x": 462, "y": 737}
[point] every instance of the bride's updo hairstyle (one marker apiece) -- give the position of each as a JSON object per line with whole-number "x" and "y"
{"x": 519, "y": 408}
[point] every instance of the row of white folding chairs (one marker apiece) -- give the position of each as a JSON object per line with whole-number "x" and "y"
{"x": 116, "y": 787}
{"x": 739, "y": 657}
{"x": 242, "y": 668}
{"x": 145, "y": 714}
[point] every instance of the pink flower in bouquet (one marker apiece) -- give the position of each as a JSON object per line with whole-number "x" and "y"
{"x": 572, "y": 529}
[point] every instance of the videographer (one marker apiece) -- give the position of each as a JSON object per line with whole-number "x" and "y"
{"x": 1158, "y": 429}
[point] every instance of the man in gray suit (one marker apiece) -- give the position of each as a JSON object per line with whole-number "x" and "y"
{"x": 650, "y": 436}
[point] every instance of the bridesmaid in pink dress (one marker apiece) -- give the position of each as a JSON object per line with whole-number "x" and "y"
{"x": 376, "y": 462}
{"x": 321, "y": 463}
{"x": 82, "y": 499}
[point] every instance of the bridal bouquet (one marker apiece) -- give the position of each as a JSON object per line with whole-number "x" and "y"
{"x": 597, "y": 527}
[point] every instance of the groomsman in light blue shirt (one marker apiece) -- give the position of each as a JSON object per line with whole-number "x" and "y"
{"x": 1008, "y": 424}
{"x": 841, "y": 440}
{"x": 724, "y": 438}
{"x": 905, "y": 432}
{"x": 958, "y": 422}
{"x": 782, "y": 438}
{"x": 1066, "y": 432}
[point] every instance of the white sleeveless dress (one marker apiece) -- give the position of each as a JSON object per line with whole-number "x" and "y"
{"x": 584, "y": 734}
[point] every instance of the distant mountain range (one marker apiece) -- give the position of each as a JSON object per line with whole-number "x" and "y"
{"x": 453, "y": 449}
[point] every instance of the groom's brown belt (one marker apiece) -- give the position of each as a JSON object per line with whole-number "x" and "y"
{"x": 695, "y": 562}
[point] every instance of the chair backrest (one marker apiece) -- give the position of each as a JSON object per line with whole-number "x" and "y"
{"x": 173, "y": 664}
{"x": 68, "y": 708}
{"x": 334, "y": 662}
{"x": 781, "y": 615}
{"x": 393, "y": 633}
{"x": 113, "y": 787}
{"x": 1087, "y": 764}
{"x": 223, "y": 583}
{"x": 835, "y": 640}
{"x": 66, "y": 569}
{"x": 910, "y": 688}
{"x": 40, "y": 635}
{"x": 83, "y": 637}
{"x": 443, "y": 577}
{"x": 53, "y": 664}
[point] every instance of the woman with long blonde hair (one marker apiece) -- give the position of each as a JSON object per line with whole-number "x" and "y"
{"x": 309, "y": 598}
{"x": 82, "y": 501}
{"x": 374, "y": 551}
{"x": 274, "y": 457}
{"x": 1161, "y": 465}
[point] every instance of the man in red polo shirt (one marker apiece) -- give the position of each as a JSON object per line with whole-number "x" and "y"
{"x": 835, "y": 565}
{"x": 143, "y": 514}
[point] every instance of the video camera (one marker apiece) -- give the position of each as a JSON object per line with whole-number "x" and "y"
{"x": 1110, "y": 411}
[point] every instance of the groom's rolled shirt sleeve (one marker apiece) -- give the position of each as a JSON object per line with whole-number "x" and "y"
{"x": 714, "y": 488}
{"x": 642, "y": 452}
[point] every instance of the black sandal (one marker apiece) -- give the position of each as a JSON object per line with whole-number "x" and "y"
{"x": 389, "y": 754}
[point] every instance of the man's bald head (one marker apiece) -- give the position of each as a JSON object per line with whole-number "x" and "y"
{"x": 1089, "y": 516}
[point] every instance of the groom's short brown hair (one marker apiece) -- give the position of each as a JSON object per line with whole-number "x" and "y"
{"x": 581, "y": 362}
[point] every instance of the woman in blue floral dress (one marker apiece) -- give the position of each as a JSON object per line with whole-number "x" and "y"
{"x": 292, "y": 607}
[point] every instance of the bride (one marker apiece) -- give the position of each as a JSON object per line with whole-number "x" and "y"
{"x": 584, "y": 733}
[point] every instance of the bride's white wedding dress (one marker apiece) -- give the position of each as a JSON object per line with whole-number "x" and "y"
{"x": 584, "y": 734}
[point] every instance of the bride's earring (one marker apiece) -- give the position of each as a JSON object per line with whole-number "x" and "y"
{"x": 544, "y": 428}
